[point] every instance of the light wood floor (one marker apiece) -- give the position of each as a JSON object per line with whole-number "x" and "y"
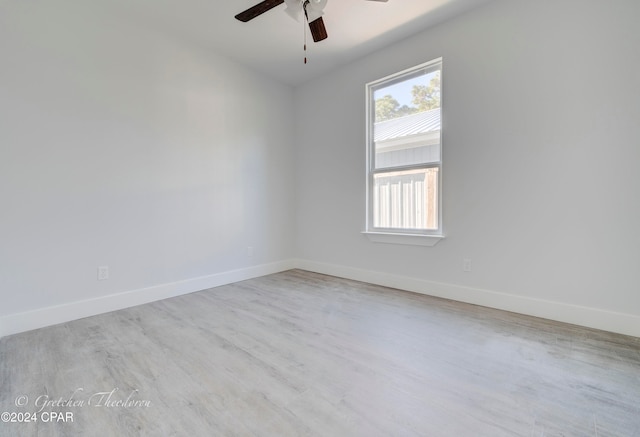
{"x": 302, "y": 354}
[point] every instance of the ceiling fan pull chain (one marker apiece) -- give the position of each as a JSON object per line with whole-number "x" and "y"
{"x": 304, "y": 33}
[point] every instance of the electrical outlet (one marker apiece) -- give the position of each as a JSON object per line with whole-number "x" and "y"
{"x": 466, "y": 264}
{"x": 103, "y": 273}
{"x": 250, "y": 251}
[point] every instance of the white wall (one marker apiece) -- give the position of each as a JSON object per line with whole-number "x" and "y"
{"x": 124, "y": 147}
{"x": 541, "y": 150}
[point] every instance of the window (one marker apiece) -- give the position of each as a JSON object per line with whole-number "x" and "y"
{"x": 405, "y": 154}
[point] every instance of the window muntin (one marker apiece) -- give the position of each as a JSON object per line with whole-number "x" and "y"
{"x": 405, "y": 151}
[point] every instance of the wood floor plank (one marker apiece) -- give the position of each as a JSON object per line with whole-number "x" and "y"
{"x": 303, "y": 354}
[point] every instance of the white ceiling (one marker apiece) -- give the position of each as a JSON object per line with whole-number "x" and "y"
{"x": 273, "y": 42}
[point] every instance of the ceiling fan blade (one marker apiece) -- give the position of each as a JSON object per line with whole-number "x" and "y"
{"x": 318, "y": 31}
{"x": 258, "y": 9}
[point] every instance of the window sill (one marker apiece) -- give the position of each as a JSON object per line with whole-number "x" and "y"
{"x": 407, "y": 239}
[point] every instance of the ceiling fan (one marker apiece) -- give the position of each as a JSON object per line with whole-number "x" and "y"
{"x": 312, "y": 10}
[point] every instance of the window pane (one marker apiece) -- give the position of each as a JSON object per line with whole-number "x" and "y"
{"x": 406, "y": 128}
{"x": 404, "y": 151}
{"x": 406, "y": 199}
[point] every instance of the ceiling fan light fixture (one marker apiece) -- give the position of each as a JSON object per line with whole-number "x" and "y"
{"x": 314, "y": 9}
{"x": 294, "y": 9}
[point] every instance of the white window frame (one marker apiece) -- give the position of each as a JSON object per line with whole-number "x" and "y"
{"x": 421, "y": 237}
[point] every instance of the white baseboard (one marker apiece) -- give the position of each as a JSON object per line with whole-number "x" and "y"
{"x": 628, "y": 324}
{"x": 621, "y": 323}
{"x": 26, "y": 321}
